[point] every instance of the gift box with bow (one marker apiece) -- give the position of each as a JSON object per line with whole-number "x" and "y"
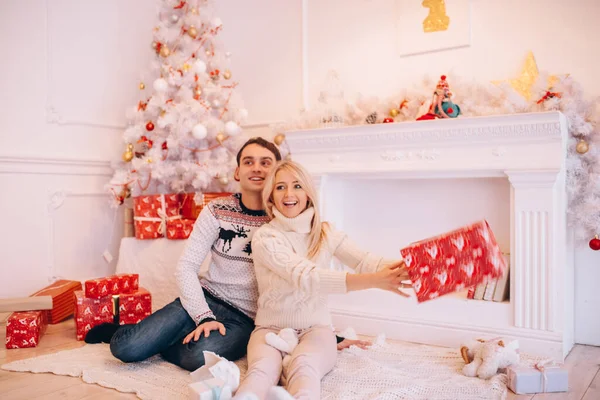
{"x": 543, "y": 377}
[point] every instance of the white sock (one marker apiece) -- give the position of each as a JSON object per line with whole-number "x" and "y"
{"x": 279, "y": 393}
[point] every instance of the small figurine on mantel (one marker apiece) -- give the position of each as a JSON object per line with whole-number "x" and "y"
{"x": 441, "y": 103}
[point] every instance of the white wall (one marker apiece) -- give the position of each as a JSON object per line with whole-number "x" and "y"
{"x": 71, "y": 68}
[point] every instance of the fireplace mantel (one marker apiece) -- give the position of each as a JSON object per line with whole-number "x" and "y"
{"x": 529, "y": 150}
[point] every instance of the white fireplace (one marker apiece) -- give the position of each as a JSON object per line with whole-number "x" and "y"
{"x": 390, "y": 184}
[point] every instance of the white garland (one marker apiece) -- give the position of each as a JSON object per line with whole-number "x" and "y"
{"x": 476, "y": 99}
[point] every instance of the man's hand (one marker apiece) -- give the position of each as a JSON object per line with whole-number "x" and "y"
{"x": 206, "y": 328}
{"x": 346, "y": 343}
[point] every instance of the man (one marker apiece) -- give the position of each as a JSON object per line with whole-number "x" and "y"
{"x": 224, "y": 298}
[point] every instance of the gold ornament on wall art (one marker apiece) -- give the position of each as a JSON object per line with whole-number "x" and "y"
{"x": 437, "y": 19}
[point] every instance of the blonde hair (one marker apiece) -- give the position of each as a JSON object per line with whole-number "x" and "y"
{"x": 317, "y": 235}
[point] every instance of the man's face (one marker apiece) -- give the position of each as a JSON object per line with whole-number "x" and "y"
{"x": 255, "y": 164}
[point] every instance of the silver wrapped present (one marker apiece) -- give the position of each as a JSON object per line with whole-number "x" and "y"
{"x": 543, "y": 377}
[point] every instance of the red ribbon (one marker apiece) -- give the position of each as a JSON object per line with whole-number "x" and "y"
{"x": 549, "y": 95}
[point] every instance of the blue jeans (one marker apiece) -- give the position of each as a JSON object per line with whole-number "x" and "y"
{"x": 163, "y": 333}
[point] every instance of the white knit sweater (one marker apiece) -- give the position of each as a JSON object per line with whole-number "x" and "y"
{"x": 292, "y": 289}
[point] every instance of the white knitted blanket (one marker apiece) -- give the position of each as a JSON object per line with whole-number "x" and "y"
{"x": 385, "y": 371}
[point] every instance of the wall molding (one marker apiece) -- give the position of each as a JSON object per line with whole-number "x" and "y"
{"x": 53, "y": 166}
{"x": 56, "y": 200}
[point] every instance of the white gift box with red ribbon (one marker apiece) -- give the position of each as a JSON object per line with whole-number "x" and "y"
{"x": 543, "y": 377}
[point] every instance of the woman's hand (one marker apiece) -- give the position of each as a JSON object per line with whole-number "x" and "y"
{"x": 389, "y": 278}
{"x": 206, "y": 327}
{"x": 346, "y": 343}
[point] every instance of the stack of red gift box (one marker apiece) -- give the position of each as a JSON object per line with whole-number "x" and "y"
{"x": 25, "y": 328}
{"x": 169, "y": 215}
{"x": 116, "y": 298}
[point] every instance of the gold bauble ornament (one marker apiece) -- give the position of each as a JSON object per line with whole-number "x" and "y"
{"x": 125, "y": 193}
{"x": 582, "y": 147}
{"x": 227, "y": 74}
{"x": 221, "y": 137}
{"x": 394, "y": 112}
{"x": 223, "y": 180}
{"x": 192, "y": 32}
{"x": 194, "y": 11}
{"x": 186, "y": 67}
{"x": 128, "y": 155}
{"x": 142, "y": 86}
{"x": 208, "y": 53}
{"x": 149, "y": 160}
{"x": 198, "y": 91}
{"x": 279, "y": 138}
{"x": 164, "y": 51}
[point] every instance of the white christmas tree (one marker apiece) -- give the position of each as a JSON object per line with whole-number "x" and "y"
{"x": 183, "y": 134}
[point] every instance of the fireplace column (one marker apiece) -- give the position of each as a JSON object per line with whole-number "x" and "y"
{"x": 538, "y": 243}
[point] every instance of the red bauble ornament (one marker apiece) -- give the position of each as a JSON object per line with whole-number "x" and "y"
{"x": 164, "y": 146}
{"x": 150, "y": 126}
{"x": 595, "y": 243}
{"x": 388, "y": 120}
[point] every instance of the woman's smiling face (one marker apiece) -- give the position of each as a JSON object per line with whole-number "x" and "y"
{"x": 289, "y": 197}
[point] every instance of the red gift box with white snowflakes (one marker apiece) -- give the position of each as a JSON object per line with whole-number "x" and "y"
{"x": 134, "y": 307}
{"x": 25, "y": 328}
{"x": 152, "y": 213}
{"x": 180, "y": 229}
{"x": 90, "y": 312}
{"x": 453, "y": 261}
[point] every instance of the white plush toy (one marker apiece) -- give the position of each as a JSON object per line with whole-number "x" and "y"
{"x": 286, "y": 341}
{"x": 484, "y": 358}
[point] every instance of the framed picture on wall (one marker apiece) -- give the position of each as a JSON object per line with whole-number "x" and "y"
{"x": 426, "y": 26}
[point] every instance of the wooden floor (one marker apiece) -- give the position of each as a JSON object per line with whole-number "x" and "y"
{"x": 583, "y": 363}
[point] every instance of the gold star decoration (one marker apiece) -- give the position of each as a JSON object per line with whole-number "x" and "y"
{"x": 529, "y": 74}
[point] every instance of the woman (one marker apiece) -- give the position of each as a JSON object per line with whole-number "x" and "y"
{"x": 292, "y": 254}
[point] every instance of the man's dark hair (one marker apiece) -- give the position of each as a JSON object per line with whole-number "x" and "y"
{"x": 262, "y": 143}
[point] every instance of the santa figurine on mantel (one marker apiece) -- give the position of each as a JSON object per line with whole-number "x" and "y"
{"x": 441, "y": 104}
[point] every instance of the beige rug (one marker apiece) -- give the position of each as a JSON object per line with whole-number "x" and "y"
{"x": 385, "y": 371}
